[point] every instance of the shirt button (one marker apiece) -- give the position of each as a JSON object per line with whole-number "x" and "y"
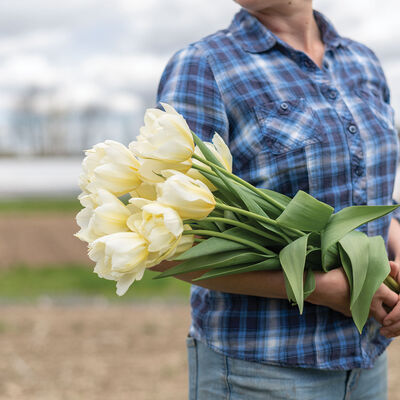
{"x": 359, "y": 170}
{"x": 332, "y": 94}
{"x": 352, "y": 129}
{"x": 284, "y": 106}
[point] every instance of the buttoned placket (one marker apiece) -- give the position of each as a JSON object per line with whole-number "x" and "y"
{"x": 357, "y": 168}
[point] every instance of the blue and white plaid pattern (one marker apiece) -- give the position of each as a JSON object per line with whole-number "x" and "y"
{"x": 290, "y": 125}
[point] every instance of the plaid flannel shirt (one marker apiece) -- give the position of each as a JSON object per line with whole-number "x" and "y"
{"x": 290, "y": 125}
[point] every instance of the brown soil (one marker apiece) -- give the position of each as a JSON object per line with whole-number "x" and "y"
{"x": 93, "y": 352}
{"x": 40, "y": 239}
{"x": 102, "y": 352}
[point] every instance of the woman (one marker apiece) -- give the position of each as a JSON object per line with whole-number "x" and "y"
{"x": 301, "y": 108}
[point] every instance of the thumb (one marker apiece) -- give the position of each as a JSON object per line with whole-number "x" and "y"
{"x": 387, "y": 296}
{"x": 395, "y": 270}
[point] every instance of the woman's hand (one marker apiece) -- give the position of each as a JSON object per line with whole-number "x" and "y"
{"x": 332, "y": 290}
{"x": 391, "y": 322}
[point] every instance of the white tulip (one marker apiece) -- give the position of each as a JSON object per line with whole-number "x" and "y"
{"x": 165, "y": 136}
{"x": 109, "y": 165}
{"x": 161, "y": 226}
{"x": 191, "y": 198}
{"x": 120, "y": 257}
{"x": 89, "y": 200}
{"x": 150, "y": 170}
{"x": 197, "y": 175}
{"x": 184, "y": 243}
{"x": 109, "y": 216}
{"x": 145, "y": 190}
{"x": 221, "y": 152}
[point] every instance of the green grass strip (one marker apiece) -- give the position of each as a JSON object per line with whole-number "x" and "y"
{"x": 22, "y": 282}
{"x": 39, "y": 205}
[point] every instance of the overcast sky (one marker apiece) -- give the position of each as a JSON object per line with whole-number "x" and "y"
{"x": 114, "y": 51}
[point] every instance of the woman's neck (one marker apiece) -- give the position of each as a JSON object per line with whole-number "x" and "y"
{"x": 293, "y": 22}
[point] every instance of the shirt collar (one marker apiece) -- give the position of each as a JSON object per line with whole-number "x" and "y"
{"x": 254, "y": 37}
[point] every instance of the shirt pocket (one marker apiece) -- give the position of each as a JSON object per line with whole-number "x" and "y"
{"x": 281, "y": 146}
{"x": 286, "y": 126}
{"x": 382, "y": 111}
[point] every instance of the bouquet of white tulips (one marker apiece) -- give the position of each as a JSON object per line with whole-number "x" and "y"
{"x": 182, "y": 191}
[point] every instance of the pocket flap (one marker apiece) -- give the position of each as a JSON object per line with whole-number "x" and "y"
{"x": 286, "y": 125}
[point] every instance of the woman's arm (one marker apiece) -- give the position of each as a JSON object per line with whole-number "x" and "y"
{"x": 394, "y": 239}
{"x": 258, "y": 283}
{"x": 392, "y": 321}
{"x": 332, "y": 288}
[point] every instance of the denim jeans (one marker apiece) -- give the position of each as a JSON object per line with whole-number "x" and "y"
{"x": 213, "y": 376}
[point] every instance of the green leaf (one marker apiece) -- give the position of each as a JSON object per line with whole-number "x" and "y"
{"x": 313, "y": 259}
{"x": 268, "y": 208}
{"x": 345, "y": 221}
{"x": 212, "y": 246}
{"x": 331, "y": 258}
{"x": 346, "y": 264}
{"x": 314, "y": 240}
{"x": 219, "y": 260}
{"x": 378, "y": 269}
{"x": 242, "y": 195}
{"x": 279, "y": 197}
{"x": 309, "y": 283}
{"x": 223, "y": 192}
{"x": 355, "y": 244}
{"x": 233, "y": 189}
{"x": 204, "y": 224}
{"x": 271, "y": 228}
{"x": 293, "y": 258}
{"x": 269, "y": 264}
{"x": 207, "y": 153}
{"x": 305, "y": 213}
{"x": 245, "y": 234}
{"x": 289, "y": 291}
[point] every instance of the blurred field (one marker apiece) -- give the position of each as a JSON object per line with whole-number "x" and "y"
{"x": 101, "y": 352}
{"x": 65, "y": 335}
{"x": 96, "y": 352}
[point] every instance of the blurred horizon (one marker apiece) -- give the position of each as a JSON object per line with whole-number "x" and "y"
{"x": 74, "y": 74}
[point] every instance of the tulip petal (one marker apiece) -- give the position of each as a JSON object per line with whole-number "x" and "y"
{"x": 126, "y": 281}
{"x": 223, "y": 151}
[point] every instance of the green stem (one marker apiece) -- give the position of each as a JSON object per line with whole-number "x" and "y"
{"x": 261, "y": 218}
{"x": 392, "y": 284}
{"x": 203, "y": 169}
{"x": 203, "y": 232}
{"x": 244, "y": 226}
{"x": 241, "y": 181}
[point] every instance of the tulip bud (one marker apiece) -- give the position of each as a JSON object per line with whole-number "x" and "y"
{"x": 109, "y": 216}
{"x": 150, "y": 170}
{"x": 165, "y": 136}
{"x": 189, "y": 197}
{"x": 220, "y": 151}
{"x": 184, "y": 243}
{"x": 145, "y": 190}
{"x": 109, "y": 165}
{"x": 120, "y": 257}
{"x": 161, "y": 226}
